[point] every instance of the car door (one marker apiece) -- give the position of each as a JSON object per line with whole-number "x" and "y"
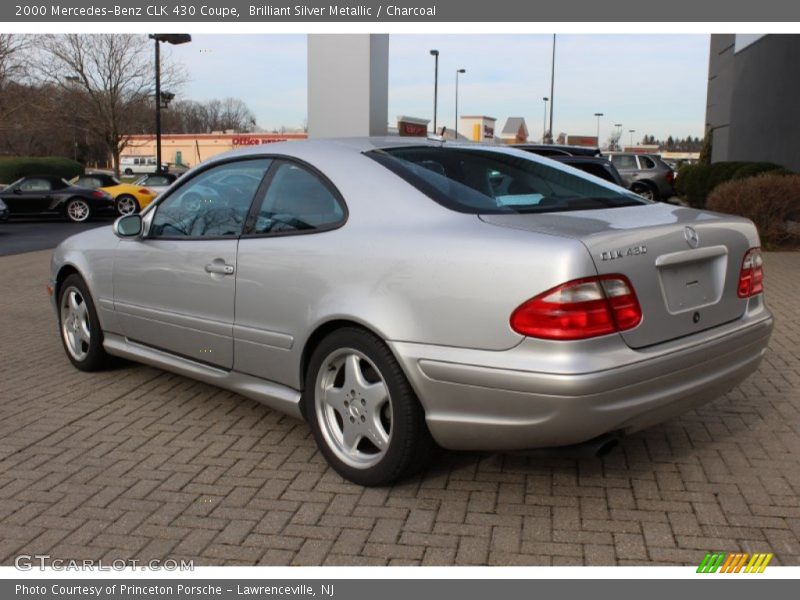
{"x": 174, "y": 289}
{"x": 280, "y": 269}
{"x": 30, "y": 196}
{"x": 627, "y": 167}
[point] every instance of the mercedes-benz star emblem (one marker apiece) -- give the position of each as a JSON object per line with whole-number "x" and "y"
{"x": 691, "y": 237}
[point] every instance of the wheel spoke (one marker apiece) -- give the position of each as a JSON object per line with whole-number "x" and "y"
{"x": 73, "y": 302}
{"x": 353, "y": 377}
{"x": 375, "y": 394}
{"x": 335, "y": 397}
{"x": 377, "y": 434}
{"x": 351, "y": 435}
{"x": 84, "y": 332}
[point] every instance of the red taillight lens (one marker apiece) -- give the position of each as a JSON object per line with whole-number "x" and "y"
{"x": 751, "y": 277}
{"x": 579, "y": 309}
{"x": 98, "y": 194}
{"x": 671, "y": 176}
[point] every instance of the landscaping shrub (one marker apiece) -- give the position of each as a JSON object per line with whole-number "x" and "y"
{"x": 12, "y": 168}
{"x": 696, "y": 182}
{"x": 770, "y": 200}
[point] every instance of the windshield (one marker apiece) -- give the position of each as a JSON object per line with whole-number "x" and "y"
{"x": 487, "y": 181}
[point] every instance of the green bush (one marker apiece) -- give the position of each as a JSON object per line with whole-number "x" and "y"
{"x": 770, "y": 200}
{"x": 696, "y": 182}
{"x": 14, "y": 167}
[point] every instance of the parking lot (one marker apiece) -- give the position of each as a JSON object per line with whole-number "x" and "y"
{"x": 140, "y": 463}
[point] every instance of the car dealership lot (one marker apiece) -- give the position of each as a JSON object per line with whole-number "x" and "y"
{"x": 140, "y": 463}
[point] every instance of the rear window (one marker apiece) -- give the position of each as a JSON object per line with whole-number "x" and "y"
{"x": 482, "y": 181}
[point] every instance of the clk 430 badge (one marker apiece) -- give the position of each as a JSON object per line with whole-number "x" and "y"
{"x": 615, "y": 254}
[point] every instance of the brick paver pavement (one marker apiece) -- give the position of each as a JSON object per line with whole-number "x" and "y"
{"x": 140, "y": 463}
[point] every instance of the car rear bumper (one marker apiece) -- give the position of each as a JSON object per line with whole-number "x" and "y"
{"x": 482, "y": 400}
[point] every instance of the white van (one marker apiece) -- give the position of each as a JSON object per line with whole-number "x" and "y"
{"x": 134, "y": 165}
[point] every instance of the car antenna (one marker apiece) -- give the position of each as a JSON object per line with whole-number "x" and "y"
{"x": 438, "y": 138}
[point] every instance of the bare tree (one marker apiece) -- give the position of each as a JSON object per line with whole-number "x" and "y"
{"x": 13, "y": 58}
{"x": 114, "y": 73}
{"x": 613, "y": 139}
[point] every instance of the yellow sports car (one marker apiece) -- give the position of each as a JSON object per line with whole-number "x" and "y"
{"x": 128, "y": 198}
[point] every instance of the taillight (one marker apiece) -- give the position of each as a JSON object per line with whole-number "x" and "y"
{"x": 751, "y": 277}
{"x": 671, "y": 176}
{"x": 98, "y": 194}
{"x": 580, "y": 309}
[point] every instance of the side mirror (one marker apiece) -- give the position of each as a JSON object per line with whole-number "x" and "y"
{"x": 129, "y": 226}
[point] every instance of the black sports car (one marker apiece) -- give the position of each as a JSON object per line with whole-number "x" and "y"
{"x": 48, "y": 195}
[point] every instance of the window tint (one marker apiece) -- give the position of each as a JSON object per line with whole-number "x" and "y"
{"x": 35, "y": 184}
{"x": 297, "y": 200}
{"x": 90, "y": 182}
{"x": 487, "y": 181}
{"x": 157, "y": 180}
{"x": 624, "y": 161}
{"x": 645, "y": 162}
{"x": 214, "y": 203}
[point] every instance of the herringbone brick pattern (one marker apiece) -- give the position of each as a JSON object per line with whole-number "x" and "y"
{"x": 139, "y": 463}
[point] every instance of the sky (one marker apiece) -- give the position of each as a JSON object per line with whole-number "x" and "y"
{"x": 655, "y": 84}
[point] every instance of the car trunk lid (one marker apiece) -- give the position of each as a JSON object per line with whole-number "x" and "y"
{"x": 683, "y": 263}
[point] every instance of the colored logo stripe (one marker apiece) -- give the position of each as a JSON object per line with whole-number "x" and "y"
{"x": 734, "y": 562}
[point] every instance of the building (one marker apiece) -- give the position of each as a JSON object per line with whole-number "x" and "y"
{"x": 515, "y": 131}
{"x": 752, "y": 101}
{"x": 190, "y": 149}
{"x": 477, "y": 128}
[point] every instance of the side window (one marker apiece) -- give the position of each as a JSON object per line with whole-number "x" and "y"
{"x": 35, "y": 185}
{"x": 214, "y": 203}
{"x": 297, "y": 200}
{"x": 624, "y": 161}
{"x": 646, "y": 162}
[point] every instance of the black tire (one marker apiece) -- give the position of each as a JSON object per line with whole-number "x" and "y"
{"x": 126, "y": 200}
{"x": 96, "y": 358}
{"x": 128, "y": 171}
{"x": 410, "y": 444}
{"x": 78, "y": 210}
{"x": 646, "y": 190}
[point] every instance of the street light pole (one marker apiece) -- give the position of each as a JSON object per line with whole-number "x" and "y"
{"x": 631, "y": 131}
{"x": 544, "y": 120}
{"x": 598, "y": 115}
{"x": 455, "y": 129}
{"x": 552, "y": 86}
{"x": 435, "y": 54}
{"x": 170, "y": 38}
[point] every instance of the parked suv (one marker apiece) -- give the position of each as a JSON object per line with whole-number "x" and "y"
{"x": 645, "y": 174}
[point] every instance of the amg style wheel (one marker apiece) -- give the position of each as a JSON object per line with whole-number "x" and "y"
{"x": 78, "y": 210}
{"x": 80, "y": 327}
{"x": 365, "y": 417}
{"x": 127, "y": 205}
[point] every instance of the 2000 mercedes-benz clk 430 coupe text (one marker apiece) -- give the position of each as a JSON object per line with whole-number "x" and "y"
{"x": 400, "y": 293}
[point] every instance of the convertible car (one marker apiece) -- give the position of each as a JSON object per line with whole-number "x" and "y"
{"x": 47, "y": 196}
{"x": 402, "y": 293}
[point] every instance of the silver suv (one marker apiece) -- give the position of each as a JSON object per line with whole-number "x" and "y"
{"x": 645, "y": 174}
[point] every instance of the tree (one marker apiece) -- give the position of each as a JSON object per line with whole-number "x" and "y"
{"x": 613, "y": 139}
{"x": 12, "y": 68}
{"x": 115, "y": 75}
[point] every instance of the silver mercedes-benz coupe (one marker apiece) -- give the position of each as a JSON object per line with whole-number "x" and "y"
{"x": 400, "y": 293}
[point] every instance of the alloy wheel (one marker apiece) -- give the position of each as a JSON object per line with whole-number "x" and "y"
{"x": 126, "y": 205}
{"x": 353, "y": 408}
{"x": 75, "y": 326}
{"x": 78, "y": 210}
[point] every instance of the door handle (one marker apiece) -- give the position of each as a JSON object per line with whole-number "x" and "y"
{"x": 219, "y": 268}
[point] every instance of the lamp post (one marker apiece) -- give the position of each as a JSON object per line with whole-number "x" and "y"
{"x": 598, "y": 115}
{"x": 455, "y": 130}
{"x": 544, "y": 120}
{"x": 174, "y": 39}
{"x": 552, "y": 86}
{"x": 435, "y": 54}
{"x": 631, "y": 131}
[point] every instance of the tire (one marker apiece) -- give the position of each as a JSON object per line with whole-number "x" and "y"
{"x": 645, "y": 190}
{"x": 77, "y": 210}
{"x": 128, "y": 171}
{"x": 371, "y": 428}
{"x": 79, "y": 327}
{"x": 126, "y": 205}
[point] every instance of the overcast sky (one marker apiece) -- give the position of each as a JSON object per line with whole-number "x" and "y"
{"x": 654, "y": 84}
